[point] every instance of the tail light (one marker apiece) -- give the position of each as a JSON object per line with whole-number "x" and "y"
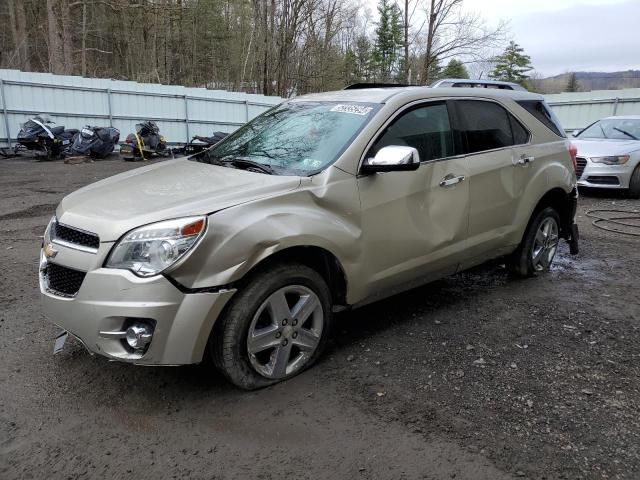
{"x": 573, "y": 151}
{"x": 128, "y": 140}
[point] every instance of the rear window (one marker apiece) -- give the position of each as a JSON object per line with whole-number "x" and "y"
{"x": 542, "y": 112}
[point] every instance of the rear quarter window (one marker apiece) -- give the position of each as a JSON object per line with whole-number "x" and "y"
{"x": 544, "y": 114}
{"x": 520, "y": 134}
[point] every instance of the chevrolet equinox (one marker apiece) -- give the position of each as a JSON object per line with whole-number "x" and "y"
{"x": 241, "y": 254}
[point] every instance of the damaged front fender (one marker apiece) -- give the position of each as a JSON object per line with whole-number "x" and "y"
{"x": 324, "y": 213}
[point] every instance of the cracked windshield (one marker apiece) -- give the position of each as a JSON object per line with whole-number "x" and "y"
{"x": 297, "y": 138}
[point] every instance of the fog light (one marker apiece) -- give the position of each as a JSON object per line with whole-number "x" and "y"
{"x": 138, "y": 336}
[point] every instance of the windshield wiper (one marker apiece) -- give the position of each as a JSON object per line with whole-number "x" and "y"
{"x": 603, "y": 132}
{"x": 245, "y": 164}
{"x": 626, "y": 133}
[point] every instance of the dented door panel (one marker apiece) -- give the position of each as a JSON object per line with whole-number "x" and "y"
{"x": 412, "y": 226}
{"x": 493, "y": 200}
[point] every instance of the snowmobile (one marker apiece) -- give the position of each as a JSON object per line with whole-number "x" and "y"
{"x": 96, "y": 142}
{"x": 199, "y": 144}
{"x": 40, "y": 134}
{"x": 145, "y": 143}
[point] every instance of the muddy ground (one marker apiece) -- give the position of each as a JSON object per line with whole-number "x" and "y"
{"x": 478, "y": 376}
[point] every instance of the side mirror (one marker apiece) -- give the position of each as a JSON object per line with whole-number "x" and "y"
{"x": 393, "y": 158}
{"x": 575, "y": 133}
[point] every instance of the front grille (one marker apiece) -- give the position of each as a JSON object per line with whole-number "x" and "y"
{"x": 63, "y": 280}
{"x": 75, "y": 236}
{"x": 603, "y": 180}
{"x": 582, "y": 163}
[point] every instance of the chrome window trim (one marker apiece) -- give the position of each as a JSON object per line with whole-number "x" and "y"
{"x": 399, "y": 111}
{"x": 491, "y": 100}
{"x": 391, "y": 118}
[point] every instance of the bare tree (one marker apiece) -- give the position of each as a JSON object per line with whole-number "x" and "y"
{"x": 284, "y": 47}
{"x": 407, "y": 67}
{"x": 453, "y": 32}
{"x": 18, "y": 22}
{"x": 56, "y": 46}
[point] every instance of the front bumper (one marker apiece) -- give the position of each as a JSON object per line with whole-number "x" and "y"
{"x": 109, "y": 298}
{"x": 599, "y": 175}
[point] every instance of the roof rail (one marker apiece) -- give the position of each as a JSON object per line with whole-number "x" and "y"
{"x": 358, "y": 86}
{"x": 463, "y": 82}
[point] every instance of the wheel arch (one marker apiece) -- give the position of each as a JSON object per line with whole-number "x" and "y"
{"x": 321, "y": 260}
{"x": 562, "y": 202}
{"x": 317, "y": 258}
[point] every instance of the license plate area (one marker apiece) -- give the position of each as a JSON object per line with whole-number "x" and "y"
{"x": 60, "y": 340}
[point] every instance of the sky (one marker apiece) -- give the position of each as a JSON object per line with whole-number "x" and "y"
{"x": 569, "y": 35}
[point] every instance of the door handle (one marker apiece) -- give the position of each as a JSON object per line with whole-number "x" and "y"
{"x": 524, "y": 159}
{"x": 451, "y": 180}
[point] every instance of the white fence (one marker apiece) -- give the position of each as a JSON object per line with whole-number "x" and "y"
{"x": 580, "y": 109}
{"x": 74, "y": 102}
{"x": 183, "y": 112}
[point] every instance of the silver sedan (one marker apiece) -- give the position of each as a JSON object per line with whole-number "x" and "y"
{"x": 609, "y": 154}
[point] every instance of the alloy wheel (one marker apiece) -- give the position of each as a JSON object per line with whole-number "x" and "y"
{"x": 545, "y": 244}
{"x": 285, "y": 331}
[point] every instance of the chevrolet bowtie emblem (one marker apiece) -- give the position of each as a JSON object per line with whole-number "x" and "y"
{"x": 49, "y": 251}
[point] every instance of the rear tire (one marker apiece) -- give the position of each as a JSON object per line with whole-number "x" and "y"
{"x": 539, "y": 245}
{"x": 275, "y": 327}
{"x": 634, "y": 183}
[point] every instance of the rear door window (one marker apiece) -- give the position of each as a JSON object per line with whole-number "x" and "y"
{"x": 483, "y": 125}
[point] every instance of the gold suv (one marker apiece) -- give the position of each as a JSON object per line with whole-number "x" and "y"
{"x": 326, "y": 202}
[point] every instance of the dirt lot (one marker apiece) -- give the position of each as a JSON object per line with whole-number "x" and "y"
{"x": 477, "y": 376}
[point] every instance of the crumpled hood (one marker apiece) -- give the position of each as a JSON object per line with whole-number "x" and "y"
{"x": 161, "y": 191}
{"x": 603, "y": 148}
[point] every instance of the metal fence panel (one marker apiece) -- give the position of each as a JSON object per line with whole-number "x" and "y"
{"x": 183, "y": 112}
{"x": 76, "y": 101}
{"x": 577, "y": 110}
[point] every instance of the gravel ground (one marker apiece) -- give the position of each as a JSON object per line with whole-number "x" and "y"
{"x": 477, "y": 376}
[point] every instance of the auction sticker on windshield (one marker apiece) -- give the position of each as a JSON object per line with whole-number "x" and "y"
{"x": 355, "y": 109}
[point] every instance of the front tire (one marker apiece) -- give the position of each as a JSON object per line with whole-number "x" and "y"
{"x": 275, "y": 327}
{"x": 539, "y": 245}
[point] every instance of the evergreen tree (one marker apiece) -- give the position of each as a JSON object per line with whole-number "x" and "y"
{"x": 455, "y": 69}
{"x": 512, "y": 65}
{"x": 357, "y": 61}
{"x": 401, "y": 76}
{"x": 349, "y": 67}
{"x": 434, "y": 70}
{"x": 572, "y": 83}
{"x": 363, "y": 57}
{"x": 389, "y": 41}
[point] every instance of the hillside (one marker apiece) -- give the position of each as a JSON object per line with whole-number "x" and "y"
{"x": 590, "y": 81}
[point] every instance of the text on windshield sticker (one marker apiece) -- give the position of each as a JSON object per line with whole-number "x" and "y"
{"x": 355, "y": 109}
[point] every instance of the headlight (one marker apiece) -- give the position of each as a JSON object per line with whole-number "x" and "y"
{"x": 613, "y": 160}
{"x": 151, "y": 249}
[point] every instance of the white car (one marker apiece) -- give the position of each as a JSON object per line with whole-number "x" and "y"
{"x": 609, "y": 154}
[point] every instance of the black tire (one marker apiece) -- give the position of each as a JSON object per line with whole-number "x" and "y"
{"x": 228, "y": 341}
{"x": 520, "y": 263}
{"x": 634, "y": 183}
